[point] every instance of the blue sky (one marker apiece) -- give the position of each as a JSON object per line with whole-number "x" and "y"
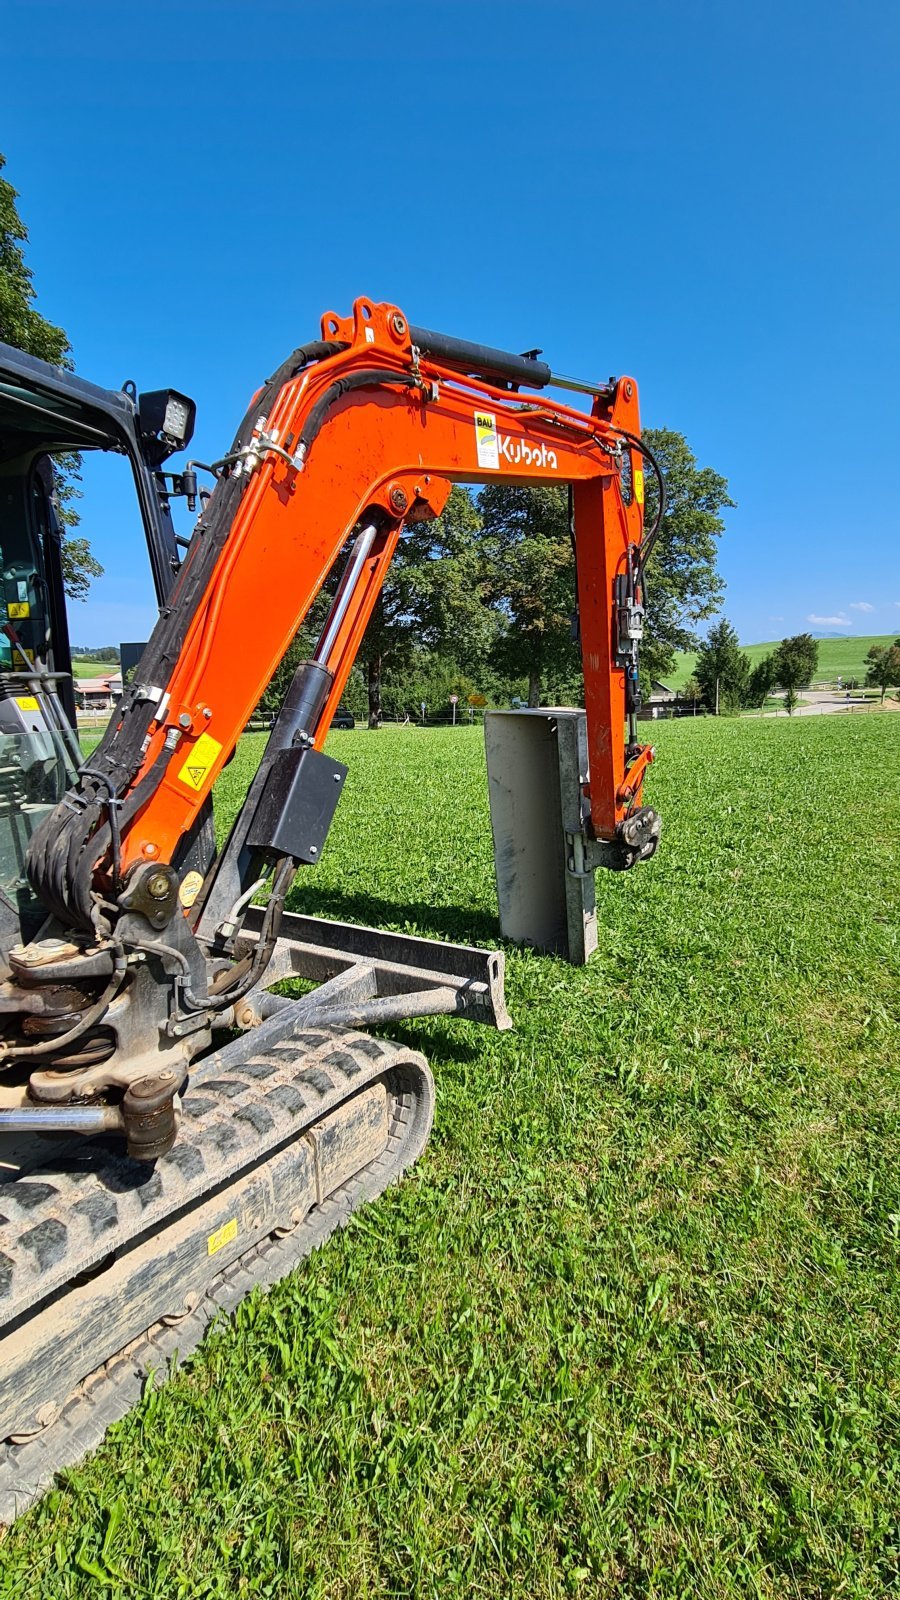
{"x": 703, "y": 195}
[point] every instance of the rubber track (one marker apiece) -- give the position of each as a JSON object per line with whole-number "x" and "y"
{"x": 84, "y": 1208}
{"x": 27, "y": 1469}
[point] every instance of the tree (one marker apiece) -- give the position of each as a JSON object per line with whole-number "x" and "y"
{"x": 432, "y": 601}
{"x": 884, "y": 672}
{"x": 528, "y": 558}
{"x": 23, "y": 326}
{"x": 722, "y": 669}
{"x": 691, "y": 692}
{"x": 761, "y": 682}
{"x": 683, "y": 585}
{"x": 794, "y": 663}
{"x": 79, "y": 566}
{"x": 300, "y": 649}
{"x": 527, "y": 555}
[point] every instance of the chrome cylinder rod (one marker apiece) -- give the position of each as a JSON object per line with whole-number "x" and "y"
{"x": 62, "y": 1119}
{"x": 361, "y": 547}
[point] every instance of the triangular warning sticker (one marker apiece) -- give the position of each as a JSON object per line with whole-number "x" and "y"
{"x": 200, "y": 761}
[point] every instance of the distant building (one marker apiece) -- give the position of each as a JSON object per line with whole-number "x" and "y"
{"x": 98, "y": 694}
{"x": 660, "y": 702}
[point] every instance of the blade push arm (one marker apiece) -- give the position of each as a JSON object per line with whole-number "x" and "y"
{"x": 363, "y": 436}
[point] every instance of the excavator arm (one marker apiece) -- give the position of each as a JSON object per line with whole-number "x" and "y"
{"x": 353, "y": 439}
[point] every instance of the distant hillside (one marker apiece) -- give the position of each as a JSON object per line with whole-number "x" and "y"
{"x": 838, "y": 658}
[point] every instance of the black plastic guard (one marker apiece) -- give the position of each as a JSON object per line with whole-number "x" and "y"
{"x": 297, "y": 804}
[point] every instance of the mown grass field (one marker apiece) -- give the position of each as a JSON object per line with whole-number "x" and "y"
{"x": 631, "y": 1327}
{"x": 838, "y": 658}
{"x": 83, "y": 668}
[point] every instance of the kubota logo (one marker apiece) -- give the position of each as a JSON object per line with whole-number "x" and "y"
{"x": 518, "y": 453}
{"x": 493, "y": 447}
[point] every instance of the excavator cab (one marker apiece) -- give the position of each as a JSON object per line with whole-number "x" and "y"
{"x": 46, "y": 411}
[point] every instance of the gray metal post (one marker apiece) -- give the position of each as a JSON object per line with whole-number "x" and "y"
{"x": 537, "y": 767}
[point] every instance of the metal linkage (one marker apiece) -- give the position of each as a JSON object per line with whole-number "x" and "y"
{"x": 394, "y": 975}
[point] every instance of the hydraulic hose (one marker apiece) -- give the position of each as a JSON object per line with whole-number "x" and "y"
{"x": 64, "y": 849}
{"x": 650, "y": 538}
{"x": 368, "y": 378}
{"x": 286, "y": 867}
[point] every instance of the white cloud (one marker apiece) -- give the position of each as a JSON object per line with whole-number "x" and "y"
{"x": 829, "y": 622}
{"x": 861, "y": 605}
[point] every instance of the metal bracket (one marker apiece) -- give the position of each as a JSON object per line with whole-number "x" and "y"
{"x": 395, "y": 975}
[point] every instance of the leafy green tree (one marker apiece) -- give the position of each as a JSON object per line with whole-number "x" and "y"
{"x": 683, "y": 586}
{"x": 530, "y": 585}
{"x": 794, "y": 664}
{"x": 433, "y": 600}
{"x": 23, "y": 326}
{"x": 692, "y": 692}
{"x": 761, "y": 682}
{"x": 884, "y": 671}
{"x": 722, "y": 668}
{"x": 528, "y": 559}
{"x": 300, "y": 649}
{"x": 79, "y": 565}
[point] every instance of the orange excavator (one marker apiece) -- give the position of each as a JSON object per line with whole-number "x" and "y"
{"x": 171, "y": 1131}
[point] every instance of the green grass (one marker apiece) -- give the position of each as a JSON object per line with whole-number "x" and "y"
{"x": 838, "y": 658}
{"x": 631, "y": 1327}
{"x": 82, "y": 668}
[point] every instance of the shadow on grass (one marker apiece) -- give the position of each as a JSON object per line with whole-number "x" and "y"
{"x": 439, "y": 1047}
{"x": 460, "y": 924}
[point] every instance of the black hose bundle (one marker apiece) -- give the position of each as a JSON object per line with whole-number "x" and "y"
{"x": 74, "y": 836}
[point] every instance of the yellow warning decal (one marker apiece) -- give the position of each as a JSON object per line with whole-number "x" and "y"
{"x": 27, "y": 702}
{"x": 201, "y": 758}
{"x": 19, "y": 608}
{"x": 487, "y": 445}
{"x": 222, "y": 1237}
{"x": 191, "y": 884}
{"x": 639, "y": 486}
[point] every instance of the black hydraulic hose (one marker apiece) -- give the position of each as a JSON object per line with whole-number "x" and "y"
{"x": 56, "y": 848}
{"x": 369, "y": 378}
{"x": 650, "y": 538}
{"x": 112, "y": 806}
{"x": 95, "y": 846}
{"x": 66, "y": 845}
{"x": 286, "y": 867}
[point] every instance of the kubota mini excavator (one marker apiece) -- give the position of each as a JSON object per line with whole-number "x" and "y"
{"x": 171, "y": 1132}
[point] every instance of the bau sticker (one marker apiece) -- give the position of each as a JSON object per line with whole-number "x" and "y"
{"x": 486, "y": 443}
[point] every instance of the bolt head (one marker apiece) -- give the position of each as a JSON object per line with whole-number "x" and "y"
{"x": 399, "y": 499}
{"x": 398, "y": 324}
{"x": 184, "y": 720}
{"x": 146, "y": 1088}
{"x": 158, "y": 886}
